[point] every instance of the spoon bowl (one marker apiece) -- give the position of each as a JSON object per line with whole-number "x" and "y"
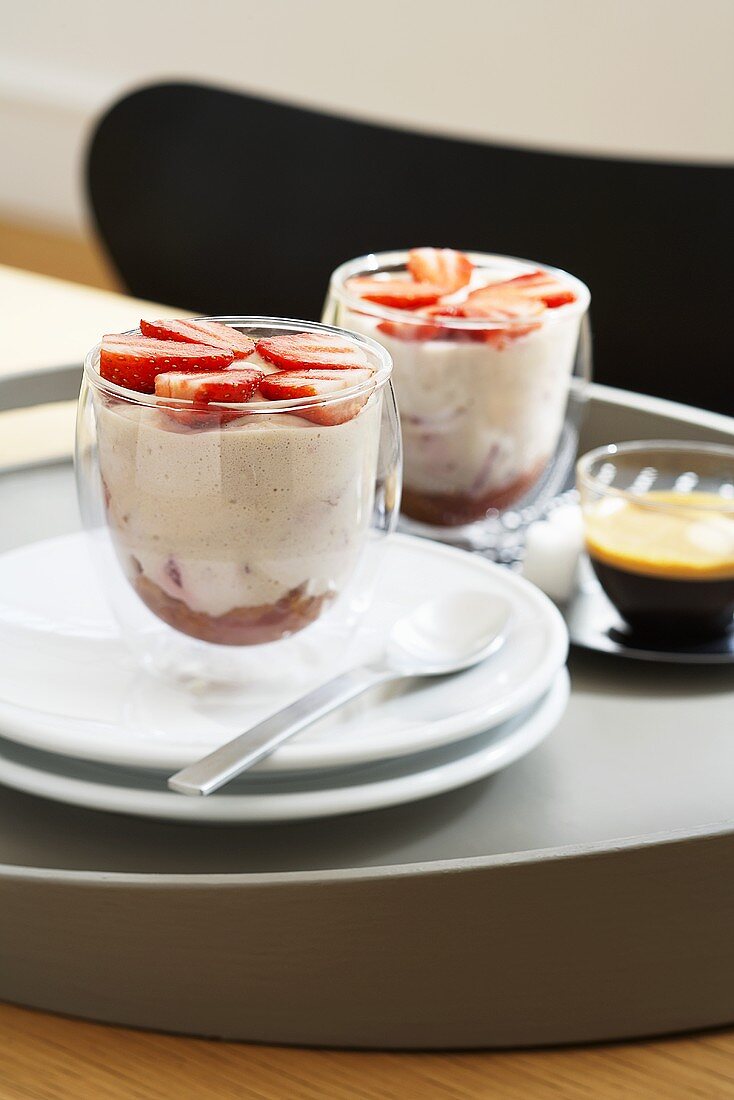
{"x": 448, "y": 634}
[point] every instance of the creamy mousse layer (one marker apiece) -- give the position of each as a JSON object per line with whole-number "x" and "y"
{"x": 480, "y": 420}
{"x": 259, "y": 520}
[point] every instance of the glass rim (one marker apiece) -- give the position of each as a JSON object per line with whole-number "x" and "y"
{"x": 585, "y": 478}
{"x": 379, "y": 261}
{"x": 134, "y": 397}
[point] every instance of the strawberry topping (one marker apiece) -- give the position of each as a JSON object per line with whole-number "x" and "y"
{"x": 542, "y": 286}
{"x": 434, "y": 273}
{"x": 294, "y": 385}
{"x": 235, "y": 385}
{"x": 441, "y": 266}
{"x": 312, "y": 351}
{"x": 398, "y": 293}
{"x": 426, "y": 328}
{"x": 498, "y": 302}
{"x": 201, "y": 332}
{"x": 134, "y": 361}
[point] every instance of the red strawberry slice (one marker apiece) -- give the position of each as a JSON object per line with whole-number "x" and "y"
{"x": 440, "y": 266}
{"x": 458, "y": 334}
{"x": 312, "y": 351}
{"x": 398, "y": 293}
{"x": 294, "y": 385}
{"x": 426, "y": 329}
{"x": 542, "y": 286}
{"x": 498, "y": 302}
{"x": 234, "y": 385}
{"x": 201, "y": 332}
{"x": 134, "y": 361}
{"x": 412, "y": 333}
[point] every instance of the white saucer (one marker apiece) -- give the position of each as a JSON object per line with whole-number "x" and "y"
{"x": 372, "y": 787}
{"x": 68, "y": 684}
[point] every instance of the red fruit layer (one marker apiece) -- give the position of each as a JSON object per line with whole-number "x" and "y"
{"x": 295, "y": 385}
{"x": 443, "y": 267}
{"x": 201, "y": 332}
{"x": 396, "y": 293}
{"x": 236, "y": 385}
{"x": 134, "y": 361}
{"x": 439, "y": 273}
{"x": 311, "y": 351}
{"x": 499, "y": 305}
{"x": 428, "y": 329}
{"x": 242, "y": 625}
{"x": 542, "y": 286}
{"x": 454, "y": 509}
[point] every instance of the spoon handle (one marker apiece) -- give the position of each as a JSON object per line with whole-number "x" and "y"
{"x": 236, "y": 756}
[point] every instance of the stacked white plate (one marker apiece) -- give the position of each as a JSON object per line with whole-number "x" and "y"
{"x": 80, "y": 723}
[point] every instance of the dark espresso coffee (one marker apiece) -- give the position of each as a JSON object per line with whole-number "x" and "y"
{"x": 668, "y": 567}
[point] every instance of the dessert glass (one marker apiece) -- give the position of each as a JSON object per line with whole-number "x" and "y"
{"x": 222, "y": 532}
{"x": 489, "y": 410}
{"x": 659, "y": 526}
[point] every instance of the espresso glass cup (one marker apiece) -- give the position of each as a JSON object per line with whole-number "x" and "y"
{"x": 225, "y": 532}
{"x": 490, "y": 410}
{"x": 659, "y": 525}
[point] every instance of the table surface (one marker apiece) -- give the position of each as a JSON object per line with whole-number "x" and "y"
{"x": 46, "y": 322}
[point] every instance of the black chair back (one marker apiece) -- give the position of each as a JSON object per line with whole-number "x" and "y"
{"x": 225, "y": 203}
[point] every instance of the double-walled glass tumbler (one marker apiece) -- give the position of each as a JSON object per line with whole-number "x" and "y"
{"x": 224, "y": 531}
{"x": 489, "y": 408}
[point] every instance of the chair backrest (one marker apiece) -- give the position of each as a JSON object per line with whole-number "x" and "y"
{"x": 225, "y": 203}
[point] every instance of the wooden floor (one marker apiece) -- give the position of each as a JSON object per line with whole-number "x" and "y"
{"x": 50, "y": 252}
{"x": 52, "y": 1058}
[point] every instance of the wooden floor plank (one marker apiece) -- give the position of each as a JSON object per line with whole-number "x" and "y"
{"x": 44, "y": 1057}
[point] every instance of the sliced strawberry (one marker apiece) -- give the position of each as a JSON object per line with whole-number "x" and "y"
{"x": 311, "y": 351}
{"x": 412, "y": 333}
{"x": 294, "y": 385}
{"x": 235, "y": 385}
{"x": 498, "y": 302}
{"x": 457, "y": 334}
{"x": 398, "y": 293}
{"x": 134, "y": 361}
{"x": 427, "y": 328}
{"x": 440, "y": 266}
{"x": 201, "y": 332}
{"x": 542, "y": 286}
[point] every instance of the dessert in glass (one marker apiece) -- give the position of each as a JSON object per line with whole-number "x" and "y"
{"x": 490, "y": 360}
{"x": 659, "y": 527}
{"x": 237, "y": 468}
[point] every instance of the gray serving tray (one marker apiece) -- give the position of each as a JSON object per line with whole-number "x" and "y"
{"x": 584, "y": 893}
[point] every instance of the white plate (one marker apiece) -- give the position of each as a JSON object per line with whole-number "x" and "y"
{"x": 69, "y": 685}
{"x": 389, "y": 783}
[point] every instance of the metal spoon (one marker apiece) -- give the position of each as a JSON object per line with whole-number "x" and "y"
{"x": 442, "y": 636}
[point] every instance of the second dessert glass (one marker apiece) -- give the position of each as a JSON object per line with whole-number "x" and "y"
{"x": 489, "y": 409}
{"x": 223, "y": 531}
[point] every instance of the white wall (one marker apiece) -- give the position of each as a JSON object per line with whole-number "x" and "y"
{"x": 650, "y": 78}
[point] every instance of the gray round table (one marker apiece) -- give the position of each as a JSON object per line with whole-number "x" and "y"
{"x": 583, "y": 893}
